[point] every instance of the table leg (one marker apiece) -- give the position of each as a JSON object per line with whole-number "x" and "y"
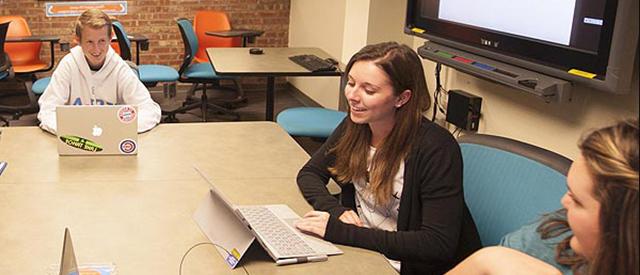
{"x": 270, "y": 98}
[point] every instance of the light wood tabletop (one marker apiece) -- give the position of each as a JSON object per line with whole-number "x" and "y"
{"x": 272, "y": 62}
{"x": 168, "y": 152}
{"x": 136, "y": 212}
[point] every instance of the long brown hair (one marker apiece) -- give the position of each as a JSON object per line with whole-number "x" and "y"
{"x": 403, "y": 67}
{"x": 611, "y": 155}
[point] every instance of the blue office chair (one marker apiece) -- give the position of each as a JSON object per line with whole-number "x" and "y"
{"x": 199, "y": 74}
{"x": 508, "y": 183}
{"x": 150, "y": 75}
{"x": 40, "y": 85}
{"x": 310, "y": 121}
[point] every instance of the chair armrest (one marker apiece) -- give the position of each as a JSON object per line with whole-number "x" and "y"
{"x": 38, "y": 38}
{"x": 34, "y": 38}
{"x": 140, "y": 39}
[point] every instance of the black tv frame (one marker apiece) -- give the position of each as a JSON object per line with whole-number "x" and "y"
{"x": 615, "y": 64}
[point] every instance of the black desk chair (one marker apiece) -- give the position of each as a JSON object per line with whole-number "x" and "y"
{"x": 23, "y": 49}
{"x": 5, "y": 64}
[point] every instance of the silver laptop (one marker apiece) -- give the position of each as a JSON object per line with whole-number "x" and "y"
{"x": 68, "y": 262}
{"x": 233, "y": 229}
{"x": 97, "y": 129}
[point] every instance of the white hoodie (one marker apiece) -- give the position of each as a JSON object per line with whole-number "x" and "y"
{"x": 73, "y": 83}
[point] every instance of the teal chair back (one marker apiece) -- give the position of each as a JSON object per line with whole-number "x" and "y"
{"x": 190, "y": 42}
{"x": 508, "y": 183}
{"x": 123, "y": 40}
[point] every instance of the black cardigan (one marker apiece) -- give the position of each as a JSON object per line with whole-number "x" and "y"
{"x": 435, "y": 228}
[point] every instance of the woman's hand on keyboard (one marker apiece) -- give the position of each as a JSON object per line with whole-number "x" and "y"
{"x": 314, "y": 222}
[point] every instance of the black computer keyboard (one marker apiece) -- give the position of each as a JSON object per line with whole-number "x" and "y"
{"x": 313, "y": 63}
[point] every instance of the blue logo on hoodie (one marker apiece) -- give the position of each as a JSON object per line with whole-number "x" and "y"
{"x": 78, "y": 101}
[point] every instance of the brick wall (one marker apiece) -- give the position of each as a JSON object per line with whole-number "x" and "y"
{"x": 156, "y": 20}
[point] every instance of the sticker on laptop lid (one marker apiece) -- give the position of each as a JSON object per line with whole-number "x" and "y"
{"x": 235, "y": 253}
{"x": 127, "y": 114}
{"x": 231, "y": 260}
{"x": 81, "y": 143}
{"x": 127, "y": 146}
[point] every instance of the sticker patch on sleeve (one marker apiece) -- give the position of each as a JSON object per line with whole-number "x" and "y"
{"x": 128, "y": 146}
{"x": 81, "y": 143}
{"x": 127, "y": 114}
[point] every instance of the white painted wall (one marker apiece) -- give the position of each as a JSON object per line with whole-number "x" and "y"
{"x": 341, "y": 28}
{"x": 318, "y": 24}
{"x": 518, "y": 115}
{"x": 386, "y": 22}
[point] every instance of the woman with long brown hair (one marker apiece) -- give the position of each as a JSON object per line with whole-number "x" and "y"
{"x": 597, "y": 230}
{"x": 401, "y": 175}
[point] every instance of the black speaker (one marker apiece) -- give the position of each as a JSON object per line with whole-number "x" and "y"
{"x": 463, "y": 110}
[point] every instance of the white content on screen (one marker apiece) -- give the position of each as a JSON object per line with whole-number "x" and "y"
{"x": 547, "y": 20}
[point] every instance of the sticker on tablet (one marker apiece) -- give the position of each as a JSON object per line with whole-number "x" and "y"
{"x": 81, "y": 143}
{"x": 231, "y": 260}
{"x": 128, "y": 146}
{"x": 127, "y": 114}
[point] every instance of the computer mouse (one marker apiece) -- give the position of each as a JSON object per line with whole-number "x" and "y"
{"x": 256, "y": 51}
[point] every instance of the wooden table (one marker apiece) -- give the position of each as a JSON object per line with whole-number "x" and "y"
{"x": 272, "y": 63}
{"x": 137, "y": 211}
{"x": 248, "y": 36}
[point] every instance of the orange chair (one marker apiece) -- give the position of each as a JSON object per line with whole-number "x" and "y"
{"x": 116, "y": 47}
{"x": 25, "y": 59}
{"x": 25, "y": 56}
{"x": 205, "y": 21}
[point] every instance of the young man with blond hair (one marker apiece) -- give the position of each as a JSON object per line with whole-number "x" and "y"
{"x": 93, "y": 74}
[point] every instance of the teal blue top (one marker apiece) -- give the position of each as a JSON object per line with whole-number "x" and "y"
{"x": 527, "y": 240}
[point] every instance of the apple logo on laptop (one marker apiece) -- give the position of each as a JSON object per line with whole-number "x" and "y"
{"x": 97, "y": 131}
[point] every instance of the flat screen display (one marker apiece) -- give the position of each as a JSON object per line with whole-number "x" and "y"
{"x": 564, "y": 34}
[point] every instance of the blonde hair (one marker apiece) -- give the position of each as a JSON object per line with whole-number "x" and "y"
{"x": 93, "y": 18}
{"x": 612, "y": 158}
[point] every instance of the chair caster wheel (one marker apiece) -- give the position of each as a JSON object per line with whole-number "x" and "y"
{"x": 170, "y": 119}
